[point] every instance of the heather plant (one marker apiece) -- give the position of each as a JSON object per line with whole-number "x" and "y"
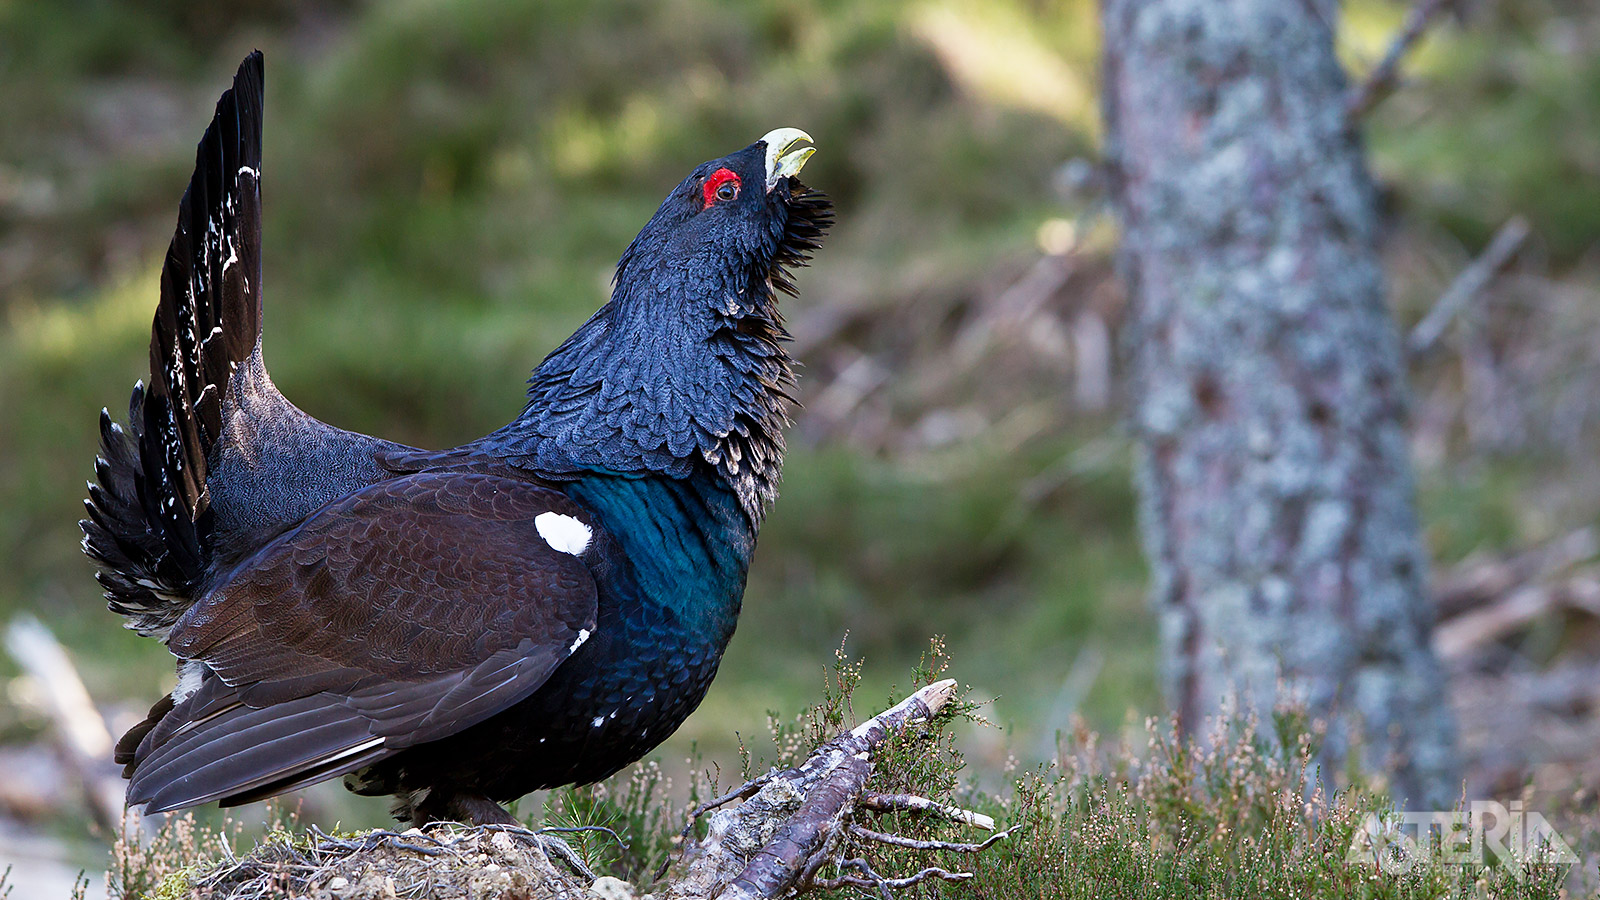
{"x": 1235, "y": 812}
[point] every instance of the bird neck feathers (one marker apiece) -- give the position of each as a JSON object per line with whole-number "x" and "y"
{"x": 664, "y": 382}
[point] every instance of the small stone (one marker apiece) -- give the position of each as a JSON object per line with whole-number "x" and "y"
{"x": 504, "y": 845}
{"x": 607, "y": 888}
{"x": 338, "y": 883}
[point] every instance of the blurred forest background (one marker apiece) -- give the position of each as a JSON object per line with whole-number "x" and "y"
{"x": 447, "y": 187}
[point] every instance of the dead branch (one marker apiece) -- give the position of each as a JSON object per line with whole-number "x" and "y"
{"x": 1459, "y": 636}
{"x": 1484, "y": 599}
{"x": 1385, "y": 76}
{"x": 874, "y": 880}
{"x": 910, "y": 803}
{"x": 1482, "y": 579}
{"x": 82, "y": 734}
{"x": 1468, "y": 284}
{"x": 778, "y": 839}
{"x": 895, "y": 840}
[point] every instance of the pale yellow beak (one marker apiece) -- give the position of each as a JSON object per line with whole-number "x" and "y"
{"x": 783, "y": 159}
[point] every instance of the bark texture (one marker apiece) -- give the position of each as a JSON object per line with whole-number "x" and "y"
{"x": 1269, "y": 392}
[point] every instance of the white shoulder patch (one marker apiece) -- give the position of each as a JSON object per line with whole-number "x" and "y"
{"x": 189, "y": 673}
{"x": 563, "y": 533}
{"x": 583, "y": 635}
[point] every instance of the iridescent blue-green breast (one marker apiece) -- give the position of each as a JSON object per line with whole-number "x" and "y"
{"x": 670, "y": 558}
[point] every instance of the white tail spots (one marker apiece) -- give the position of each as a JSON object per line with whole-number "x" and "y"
{"x": 563, "y": 533}
{"x": 583, "y": 635}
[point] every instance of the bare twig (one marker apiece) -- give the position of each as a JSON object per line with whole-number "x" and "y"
{"x": 1468, "y": 284}
{"x": 554, "y": 846}
{"x": 379, "y": 838}
{"x": 911, "y": 803}
{"x": 742, "y": 792}
{"x": 914, "y": 844}
{"x": 579, "y": 829}
{"x": 874, "y": 880}
{"x": 1385, "y": 76}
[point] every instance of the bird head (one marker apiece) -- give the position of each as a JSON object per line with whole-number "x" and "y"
{"x": 731, "y": 225}
{"x": 685, "y": 367}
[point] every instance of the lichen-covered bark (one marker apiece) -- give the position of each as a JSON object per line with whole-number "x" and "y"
{"x": 1269, "y": 394}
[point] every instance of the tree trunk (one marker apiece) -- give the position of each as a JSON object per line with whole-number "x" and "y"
{"x": 1269, "y": 392}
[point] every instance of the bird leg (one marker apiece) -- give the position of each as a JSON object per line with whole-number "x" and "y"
{"x": 459, "y": 806}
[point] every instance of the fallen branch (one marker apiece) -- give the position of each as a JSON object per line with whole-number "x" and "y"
{"x": 1483, "y": 579}
{"x": 1461, "y": 635}
{"x": 780, "y": 838}
{"x": 1468, "y": 284}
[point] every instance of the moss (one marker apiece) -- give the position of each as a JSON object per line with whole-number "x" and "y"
{"x": 177, "y": 885}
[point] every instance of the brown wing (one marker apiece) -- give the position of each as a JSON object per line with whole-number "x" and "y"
{"x": 398, "y": 615}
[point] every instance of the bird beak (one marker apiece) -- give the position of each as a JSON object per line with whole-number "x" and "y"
{"x": 782, "y": 161}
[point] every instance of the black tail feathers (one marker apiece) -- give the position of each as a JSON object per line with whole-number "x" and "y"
{"x": 149, "y": 521}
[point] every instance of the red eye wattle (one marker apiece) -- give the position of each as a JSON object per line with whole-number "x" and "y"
{"x": 722, "y": 185}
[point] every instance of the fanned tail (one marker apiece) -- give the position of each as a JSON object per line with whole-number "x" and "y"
{"x": 149, "y": 515}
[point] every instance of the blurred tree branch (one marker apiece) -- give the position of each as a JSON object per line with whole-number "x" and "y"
{"x": 1385, "y": 76}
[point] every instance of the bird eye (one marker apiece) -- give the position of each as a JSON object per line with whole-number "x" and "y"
{"x": 722, "y": 186}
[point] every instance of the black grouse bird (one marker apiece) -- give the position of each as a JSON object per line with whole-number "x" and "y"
{"x": 539, "y": 607}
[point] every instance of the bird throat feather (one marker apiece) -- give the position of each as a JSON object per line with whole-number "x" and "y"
{"x": 685, "y": 371}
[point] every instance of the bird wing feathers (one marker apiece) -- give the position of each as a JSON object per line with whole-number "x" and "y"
{"x": 403, "y": 613}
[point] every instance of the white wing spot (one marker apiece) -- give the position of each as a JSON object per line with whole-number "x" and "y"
{"x": 247, "y": 170}
{"x": 598, "y": 721}
{"x": 563, "y": 533}
{"x": 583, "y": 635}
{"x": 189, "y": 673}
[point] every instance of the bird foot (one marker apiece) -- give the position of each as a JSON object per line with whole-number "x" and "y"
{"x": 424, "y": 808}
